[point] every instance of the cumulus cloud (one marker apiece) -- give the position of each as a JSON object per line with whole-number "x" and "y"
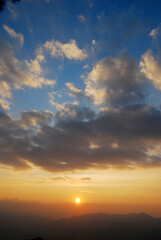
{"x": 16, "y": 74}
{"x": 115, "y": 81}
{"x": 124, "y": 132}
{"x": 151, "y": 68}
{"x": 13, "y": 34}
{"x": 69, "y": 50}
{"x": 81, "y": 18}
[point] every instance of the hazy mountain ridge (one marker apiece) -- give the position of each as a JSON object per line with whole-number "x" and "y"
{"x": 20, "y": 225}
{"x": 93, "y": 226}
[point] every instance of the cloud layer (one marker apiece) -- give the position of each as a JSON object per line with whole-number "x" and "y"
{"x": 126, "y": 138}
{"x": 109, "y": 124}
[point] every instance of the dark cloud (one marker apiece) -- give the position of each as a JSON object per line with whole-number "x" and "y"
{"x": 76, "y": 112}
{"x": 116, "y": 81}
{"x": 125, "y": 134}
{"x": 33, "y": 118}
{"x": 123, "y": 138}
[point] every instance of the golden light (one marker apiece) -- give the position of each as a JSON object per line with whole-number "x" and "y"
{"x": 77, "y": 200}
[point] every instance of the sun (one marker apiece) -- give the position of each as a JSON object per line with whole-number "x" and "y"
{"x": 77, "y": 200}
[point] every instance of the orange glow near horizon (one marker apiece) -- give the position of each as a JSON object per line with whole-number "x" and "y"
{"x": 111, "y": 191}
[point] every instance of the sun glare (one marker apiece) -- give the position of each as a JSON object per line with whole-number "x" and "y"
{"x": 77, "y": 200}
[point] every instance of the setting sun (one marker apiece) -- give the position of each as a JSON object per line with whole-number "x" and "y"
{"x": 77, "y": 200}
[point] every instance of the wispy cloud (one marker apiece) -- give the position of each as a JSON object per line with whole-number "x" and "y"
{"x": 154, "y": 32}
{"x": 72, "y": 180}
{"x": 12, "y": 33}
{"x": 14, "y": 13}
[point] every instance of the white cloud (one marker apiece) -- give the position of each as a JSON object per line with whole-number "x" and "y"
{"x": 15, "y": 74}
{"x": 5, "y": 90}
{"x": 86, "y": 66}
{"x": 99, "y": 95}
{"x": 52, "y": 97}
{"x": 81, "y": 18}
{"x": 40, "y": 58}
{"x": 151, "y": 68}
{"x": 93, "y": 87}
{"x": 114, "y": 81}
{"x": 154, "y": 32}
{"x": 5, "y": 94}
{"x": 19, "y": 74}
{"x": 5, "y": 104}
{"x": 65, "y": 108}
{"x": 35, "y": 77}
{"x": 15, "y": 35}
{"x": 40, "y": 55}
{"x": 69, "y": 50}
{"x": 34, "y": 66}
{"x": 72, "y": 87}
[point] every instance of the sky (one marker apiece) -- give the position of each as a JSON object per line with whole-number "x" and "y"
{"x": 80, "y": 105}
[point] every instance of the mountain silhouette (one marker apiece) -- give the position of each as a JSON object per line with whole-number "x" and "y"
{"x": 87, "y": 227}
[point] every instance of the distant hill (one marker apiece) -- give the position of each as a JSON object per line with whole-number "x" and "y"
{"x": 20, "y": 226}
{"x": 87, "y": 227}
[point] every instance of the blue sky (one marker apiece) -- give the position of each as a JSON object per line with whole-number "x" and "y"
{"x": 115, "y": 26}
{"x": 67, "y": 64}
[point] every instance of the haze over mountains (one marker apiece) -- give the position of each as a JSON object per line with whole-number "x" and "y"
{"x": 93, "y": 226}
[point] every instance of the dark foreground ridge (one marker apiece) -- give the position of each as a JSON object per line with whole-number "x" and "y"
{"x": 87, "y": 227}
